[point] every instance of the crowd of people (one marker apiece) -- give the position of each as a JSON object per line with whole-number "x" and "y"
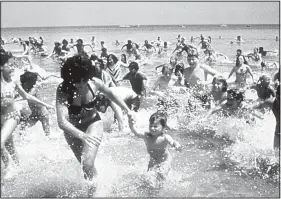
{"x": 91, "y": 84}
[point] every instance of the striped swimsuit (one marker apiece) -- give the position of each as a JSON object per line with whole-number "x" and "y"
{"x": 115, "y": 71}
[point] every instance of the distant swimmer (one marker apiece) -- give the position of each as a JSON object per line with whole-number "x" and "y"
{"x": 129, "y": 47}
{"x": 148, "y": 47}
{"x": 102, "y": 45}
{"x": 164, "y": 49}
{"x": 80, "y": 46}
{"x": 94, "y": 42}
{"x": 116, "y": 43}
{"x": 255, "y": 57}
{"x": 267, "y": 52}
{"x": 239, "y": 39}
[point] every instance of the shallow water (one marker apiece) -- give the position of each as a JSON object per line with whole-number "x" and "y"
{"x": 222, "y": 157}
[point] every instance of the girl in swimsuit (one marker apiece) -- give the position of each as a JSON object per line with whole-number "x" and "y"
{"x": 77, "y": 115}
{"x": 10, "y": 111}
{"x": 241, "y": 71}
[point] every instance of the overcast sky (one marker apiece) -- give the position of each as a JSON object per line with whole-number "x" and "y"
{"x": 33, "y": 14}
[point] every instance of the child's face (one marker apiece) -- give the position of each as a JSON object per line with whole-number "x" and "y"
{"x": 156, "y": 128}
{"x": 217, "y": 86}
{"x": 132, "y": 71}
{"x": 9, "y": 67}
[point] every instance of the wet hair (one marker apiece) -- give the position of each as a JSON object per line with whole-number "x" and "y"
{"x": 94, "y": 57}
{"x": 158, "y": 116}
{"x": 165, "y": 43}
{"x": 57, "y": 43}
{"x": 260, "y": 49}
{"x": 4, "y": 57}
{"x": 237, "y": 94}
{"x": 115, "y": 59}
{"x": 28, "y": 80}
{"x": 222, "y": 80}
{"x": 264, "y": 78}
{"x": 239, "y": 50}
{"x": 81, "y": 41}
{"x": 129, "y": 41}
{"x": 64, "y": 41}
{"x": 134, "y": 65}
{"x": 73, "y": 70}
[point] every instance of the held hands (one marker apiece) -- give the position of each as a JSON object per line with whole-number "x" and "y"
{"x": 178, "y": 147}
{"x": 131, "y": 117}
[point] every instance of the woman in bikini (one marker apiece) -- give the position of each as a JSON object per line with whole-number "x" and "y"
{"x": 77, "y": 115}
{"x": 10, "y": 111}
{"x": 241, "y": 70}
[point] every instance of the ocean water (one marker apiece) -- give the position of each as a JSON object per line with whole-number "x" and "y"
{"x": 223, "y": 157}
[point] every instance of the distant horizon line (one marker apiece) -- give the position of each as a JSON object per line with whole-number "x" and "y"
{"x": 131, "y": 25}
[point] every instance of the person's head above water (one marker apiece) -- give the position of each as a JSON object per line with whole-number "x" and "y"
{"x": 219, "y": 83}
{"x": 28, "y": 80}
{"x": 111, "y": 59}
{"x": 235, "y": 95}
{"x": 7, "y": 63}
{"x": 264, "y": 80}
{"x": 79, "y": 41}
{"x": 157, "y": 123}
{"x": 64, "y": 41}
{"x": 101, "y": 103}
{"x": 133, "y": 67}
{"x": 238, "y": 52}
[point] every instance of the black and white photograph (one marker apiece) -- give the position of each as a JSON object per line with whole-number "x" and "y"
{"x": 146, "y": 99}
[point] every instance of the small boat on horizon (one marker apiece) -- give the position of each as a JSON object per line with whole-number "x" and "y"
{"x": 135, "y": 26}
{"x": 223, "y": 25}
{"x": 248, "y": 26}
{"x": 182, "y": 26}
{"x": 124, "y": 26}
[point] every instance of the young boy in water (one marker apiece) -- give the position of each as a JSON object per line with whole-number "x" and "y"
{"x": 157, "y": 142}
{"x": 137, "y": 79}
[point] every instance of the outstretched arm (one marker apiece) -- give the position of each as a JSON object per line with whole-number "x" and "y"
{"x": 123, "y": 46}
{"x": 30, "y": 97}
{"x": 134, "y": 131}
{"x": 172, "y": 142}
{"x": 232, "y": 71}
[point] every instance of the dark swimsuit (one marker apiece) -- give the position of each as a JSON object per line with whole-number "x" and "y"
{"x": 75, "y": 111}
